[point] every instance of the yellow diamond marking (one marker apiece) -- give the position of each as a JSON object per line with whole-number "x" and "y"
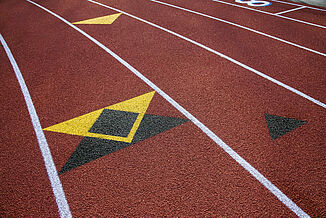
{"x": 82, "y": 124}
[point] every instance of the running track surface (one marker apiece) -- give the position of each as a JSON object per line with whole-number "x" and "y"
{"x": 182, "y": 171}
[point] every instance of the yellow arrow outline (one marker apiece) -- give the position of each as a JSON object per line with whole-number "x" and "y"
{"x": 82, "y": 124}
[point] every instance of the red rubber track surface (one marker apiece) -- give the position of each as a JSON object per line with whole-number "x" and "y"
{"x": 305, "y": 14}
{"x": 272, "y": 57}
{"x": 25, "y": 188}
{"x": 276, "y": 6}
{"x": 180, "y": 172}
{"x": 309, "y": 15}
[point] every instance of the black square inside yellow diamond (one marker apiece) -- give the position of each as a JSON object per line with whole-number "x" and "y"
{"x": 115, "y": 123}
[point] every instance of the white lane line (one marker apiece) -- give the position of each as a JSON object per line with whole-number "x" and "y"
{"x": 294, "y": 9}
{"x": 265, "y": 12}
{"x": 219, "y": 54}
{"x": 255, "y": 173}
{"x": 57, "y": 189}
{"x": 292, "y": 3}
{"x": 240, "y": 26}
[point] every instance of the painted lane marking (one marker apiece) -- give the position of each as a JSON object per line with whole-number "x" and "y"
{"x": 294, "y": 9}
{"x": 118, "y": 120}
{"x": 255, "y": 173}
{"x": 292, "y": 3}
{"x": 254, "y": 3}
{"x": 81, "y": 125}
{"x": 240, "y": 26}
{"x": 279, "y": 126}
{"x": 219, "y": 54}
{"x": 56, "y": 185}
{"x": 265, "y": 12}
{"x": 108, "y": 19}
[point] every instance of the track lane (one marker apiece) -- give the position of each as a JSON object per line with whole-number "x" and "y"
{"x": 273, "y": 8}
{"x": 197, "y": 102}
{"x": 280, "y": 61}
{"x": 56, "y": 185}
{"x": 272, "y": 25}
{"x": 309, "y": 15}
{"x": 74, "y": 96}
{"x": 291, "y": 10}
{"x": 316, "y": 8}
{"x": 25, "y": 186}
{"x": 239, "y": 26}
{"x": 272, "y": 14}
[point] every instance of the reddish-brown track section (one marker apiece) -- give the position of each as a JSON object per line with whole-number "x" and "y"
{"x": 309, "y": 15}
{"x": 305, "y": 14}
{"x": 180, "y": 172}
{"x": 25, "y": 188}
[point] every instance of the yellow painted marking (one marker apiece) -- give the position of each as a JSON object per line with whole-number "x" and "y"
{"x": 135, "y": 127}
{"x": 137, "y": 105}
{"x": 76, "y": 126}
{"x": 82, "y": 124}
{"x": 109, "y": 19}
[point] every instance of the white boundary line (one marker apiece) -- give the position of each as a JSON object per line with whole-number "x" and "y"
{"x": 265, "y": 12}
{"x": 219, "y": 54}
{"x": 291, "y": 3}
{"x": 240, "y": 26}
{"x": 57, "y": 189}
{"x": 294, "y": 9}
{"x": 255, "y": 173}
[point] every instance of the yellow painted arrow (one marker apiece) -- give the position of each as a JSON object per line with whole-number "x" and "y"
{"x": 82, "y": 124}
{"x": 109, "y": 19}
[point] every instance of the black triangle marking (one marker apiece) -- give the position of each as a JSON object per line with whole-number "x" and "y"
{"x": 279, "y": 126}
{"x": 152, "y": 125}
{"x": 91, "y": 149}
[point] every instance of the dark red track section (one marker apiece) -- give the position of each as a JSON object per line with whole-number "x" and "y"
{"x": 25, "y": 189}
{"x": 180, "y": 172}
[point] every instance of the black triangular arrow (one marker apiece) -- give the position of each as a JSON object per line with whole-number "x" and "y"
{"x": 91, "y": 149}
{"x": 153, "y": 124}
{"x": 278, "y": 126}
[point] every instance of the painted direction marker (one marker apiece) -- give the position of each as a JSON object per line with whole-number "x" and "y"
{"x": 109, "y": 19}
{"x": 91, "y": 149}
{"x": 84, "y": 125}
{"x": 279, "y": 126}
{"x": 113, "y": 128}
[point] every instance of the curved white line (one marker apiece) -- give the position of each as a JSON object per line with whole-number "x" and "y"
{"x": 242, "y": 27}
{"x": 221, "y": 55}
{"x": 265, "y": 12}
{"x": 56, "y": 185}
